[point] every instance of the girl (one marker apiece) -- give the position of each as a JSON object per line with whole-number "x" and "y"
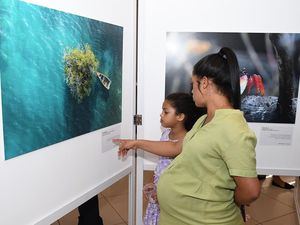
{"x": 179, "y": 114}
{"x": 216, "y": 172}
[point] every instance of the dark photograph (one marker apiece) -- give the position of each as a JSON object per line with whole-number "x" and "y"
{"x": 269, "y": 65}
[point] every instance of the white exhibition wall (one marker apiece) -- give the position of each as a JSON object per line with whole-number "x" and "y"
{"x": 156, "y": 18}
{"x": 212, "y": 16}
{"x": 41, "y": 186}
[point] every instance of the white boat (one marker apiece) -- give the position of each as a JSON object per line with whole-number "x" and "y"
{"x": 104, "y": 80}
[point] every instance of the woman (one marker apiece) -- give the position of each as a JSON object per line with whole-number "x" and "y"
{"x": 216, "y": 170}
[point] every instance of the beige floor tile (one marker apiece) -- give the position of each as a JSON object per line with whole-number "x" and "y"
{"x": 290, "y": 219}
{"x": 120, "y": 204}
{"x": 148, "y": 177}
{"x": 70, "y": 219}
{"x": 251, "y": 221}
{"x": 109, "y": 215}
{"x": 118, "y": 188}
{"x": 266, "y": 208}
{"x": 282, "y": 195}
{"x": 55, "y": 223}
{"x": 266, "y": 182}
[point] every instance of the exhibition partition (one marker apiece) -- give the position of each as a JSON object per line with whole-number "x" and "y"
{"x": 56, "y": 131}
{"x": 173, "y": 35}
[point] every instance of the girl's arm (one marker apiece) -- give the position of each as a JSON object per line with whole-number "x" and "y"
{"x": 247, "y": 190}
{"x": 161, "y": 148}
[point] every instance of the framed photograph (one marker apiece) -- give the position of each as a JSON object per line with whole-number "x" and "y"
{"x": 61, "y": 76}
{"x": 269, "y": 65}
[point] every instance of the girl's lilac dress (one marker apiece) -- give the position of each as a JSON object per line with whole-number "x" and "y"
{"x": 152, "y": 211}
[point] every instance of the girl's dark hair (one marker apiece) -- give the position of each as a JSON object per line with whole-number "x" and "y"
{"x": 184, "y": 103}
{"x": 223, "y": 69}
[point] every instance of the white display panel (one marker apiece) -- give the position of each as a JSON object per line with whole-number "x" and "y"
{"x": 212, "y": 16}
{"x": 42, "y": 186}
{"x": 156, "y": 18}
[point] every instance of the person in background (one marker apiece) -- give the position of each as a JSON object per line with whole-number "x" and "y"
{"x": 89, "y": 212}
{"x": 215, "y": 173}
{"x": 277, "y": 182}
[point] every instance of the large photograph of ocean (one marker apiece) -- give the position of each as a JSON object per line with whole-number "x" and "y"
{"x": 61, "y": 76}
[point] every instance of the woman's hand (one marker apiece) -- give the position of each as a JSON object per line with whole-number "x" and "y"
{"x": 124, "y": 146}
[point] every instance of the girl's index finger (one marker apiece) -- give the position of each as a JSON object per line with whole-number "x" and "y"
{"x": 117, "y": 140}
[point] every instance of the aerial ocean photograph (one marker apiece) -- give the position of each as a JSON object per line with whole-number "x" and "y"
{"x": 61, "y": 76}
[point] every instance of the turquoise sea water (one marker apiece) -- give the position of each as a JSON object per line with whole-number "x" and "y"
{"x": 38, "y": 108}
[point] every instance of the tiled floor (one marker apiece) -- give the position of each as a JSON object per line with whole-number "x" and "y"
{"x": 274, "y": 207}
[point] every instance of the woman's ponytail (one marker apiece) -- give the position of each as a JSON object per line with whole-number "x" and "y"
{"x": 234, "y": 73}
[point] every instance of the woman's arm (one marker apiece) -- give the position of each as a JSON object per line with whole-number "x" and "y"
{"x": 247, "y": 190}
{"x": 161, "y": 148}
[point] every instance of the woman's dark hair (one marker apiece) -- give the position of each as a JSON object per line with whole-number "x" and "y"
{"x": 223, "y": 69}
{"x": 184, "y": 103}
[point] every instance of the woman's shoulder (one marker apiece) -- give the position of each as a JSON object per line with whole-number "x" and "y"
{"x": 235, "y": 122}
{"x": 234, "y": 116}
{"x": 233, "y": 130}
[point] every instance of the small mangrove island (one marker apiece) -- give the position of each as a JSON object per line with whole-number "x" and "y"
{"x": 79, "y": 66}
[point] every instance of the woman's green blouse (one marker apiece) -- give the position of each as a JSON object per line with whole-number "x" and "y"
{"x": 198, "y": 186}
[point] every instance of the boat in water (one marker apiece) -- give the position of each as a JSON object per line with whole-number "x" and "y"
{"x": 104, "y": 80}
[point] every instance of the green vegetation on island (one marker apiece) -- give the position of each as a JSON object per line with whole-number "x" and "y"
{"x": 79, "y": 66}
